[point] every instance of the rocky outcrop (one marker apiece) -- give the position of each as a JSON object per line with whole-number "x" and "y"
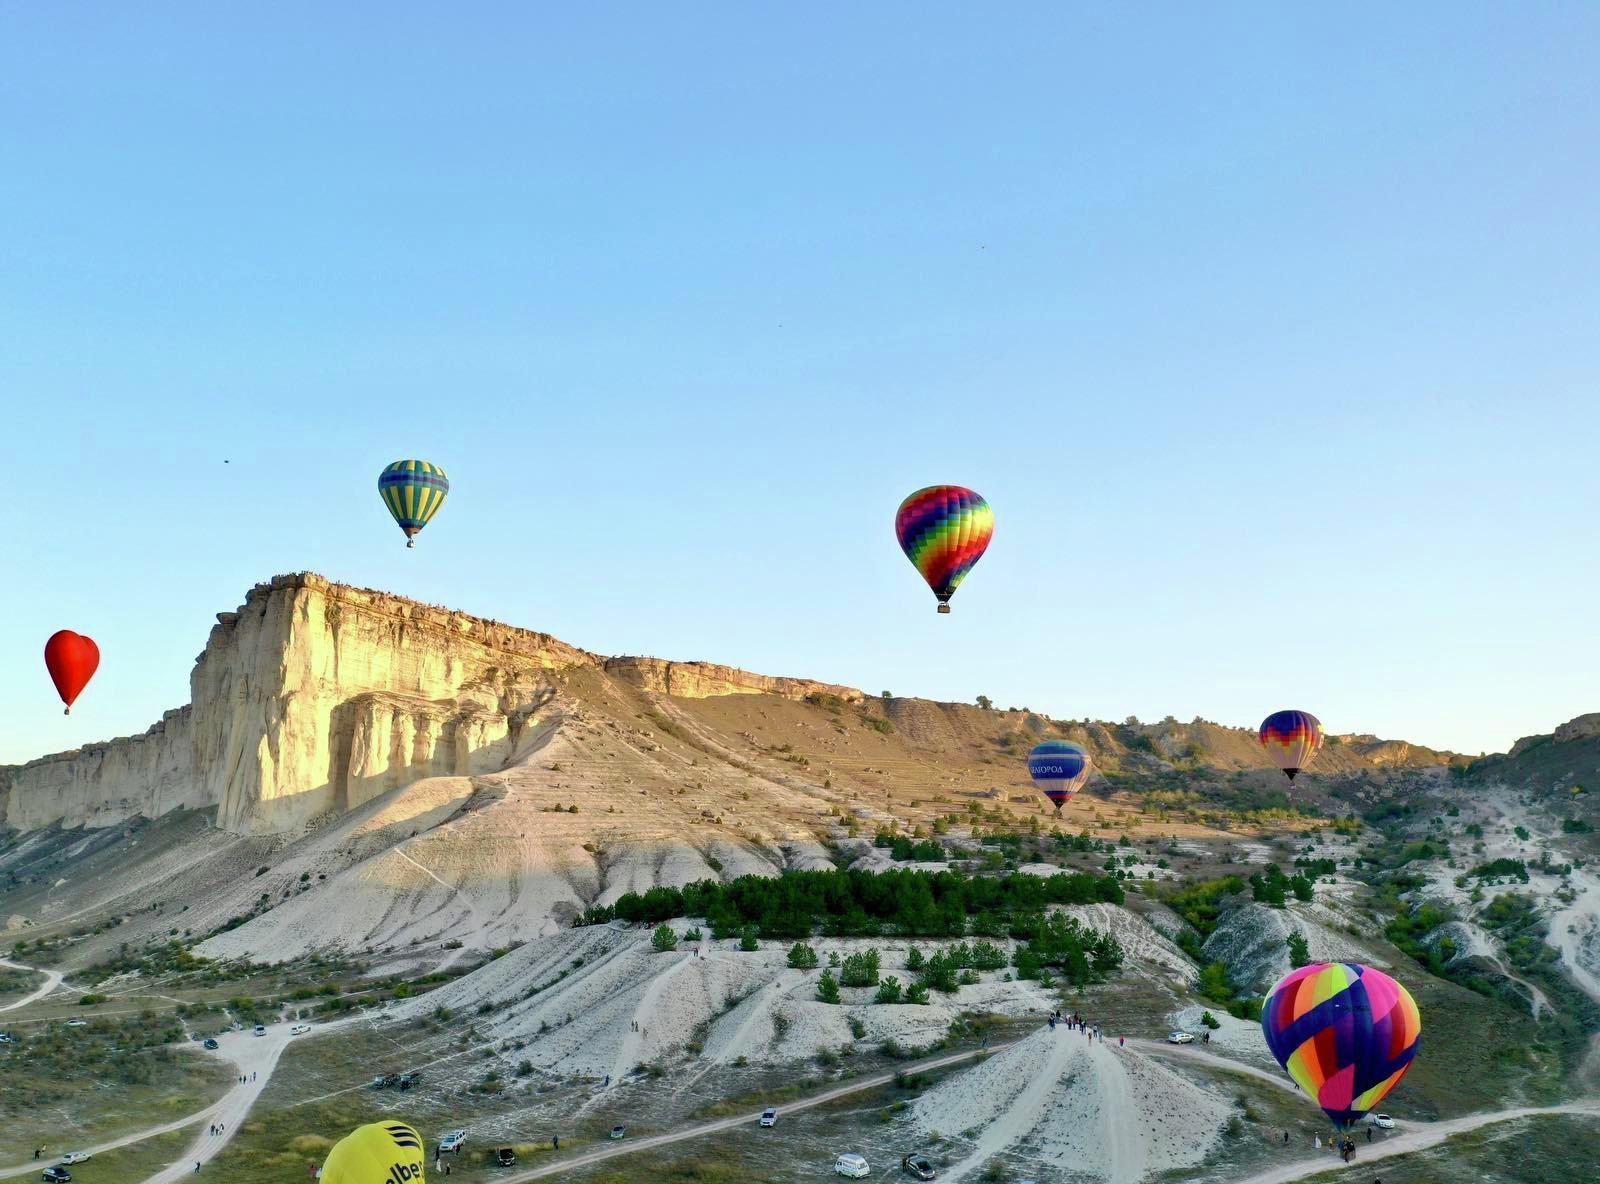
{"x": 313, "y": 697}
{"x": 702, "y": 680}
{"x": 1582, "y": 728}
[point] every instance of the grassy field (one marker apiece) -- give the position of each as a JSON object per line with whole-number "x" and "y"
{"x": 87, "y": 1085}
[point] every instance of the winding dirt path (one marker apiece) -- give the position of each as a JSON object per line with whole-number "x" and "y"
{"x": 52, "y": 980}
{"x": 1418, "y": 1139}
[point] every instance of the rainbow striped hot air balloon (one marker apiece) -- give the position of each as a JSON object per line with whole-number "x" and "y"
{"x": 1291, "y": 739}
{"x": 1346, "y": 1034}
{"x": 413, "y": 490}
{"x": 1059, "y": 768}
{"x": 944, "y": 530}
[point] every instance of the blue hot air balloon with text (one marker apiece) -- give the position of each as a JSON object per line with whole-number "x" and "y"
{"x": 1059, "y": 768}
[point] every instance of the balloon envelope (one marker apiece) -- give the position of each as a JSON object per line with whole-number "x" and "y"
{"x": 944, "y": 530}
{"x": 71, "y": 658}
{"x": 1059, "y": 768}
{"x": 378, "y": 1153}
{"x": 1291, "y": 739}
{"x": 1346, "y": 1033}
{"x": 413, "y": 490}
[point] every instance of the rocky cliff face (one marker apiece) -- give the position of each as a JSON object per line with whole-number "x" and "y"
{"x": 314, "y": 697}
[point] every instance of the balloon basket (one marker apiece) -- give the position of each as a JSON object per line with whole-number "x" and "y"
{"x": 944, "y": 608}
{"x": 411, "y": 542}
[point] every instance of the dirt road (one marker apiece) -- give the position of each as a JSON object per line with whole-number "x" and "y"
{"x": 52, "y": 980}
{"x": 1419, "y": 1139}
{"x": 255, "y": 1057}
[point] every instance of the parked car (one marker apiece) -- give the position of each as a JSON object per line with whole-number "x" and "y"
{"x": 769, "y": 1116}
{"x": 506, "y": 1157}
{"x": 261, "y": 1029}
{"x": 918, "y": 1166}
{"x": 1383, "y": 1121}
{"x": 299, "y": 1029}
{"x": 1180, "y": 1038}
{"x": 6, "y": 1038}
{"x": 74, "y": 1157}
{"x": 77, "y": 1023}
{"x": 852, "y": 1165}
{"x": 618, "y": 1131}
{"x": 407, "y": 1080}
{"x": 452, "y": 1141}
{"x": 211, "y": 1044}
{"x": 56, "y": 1175}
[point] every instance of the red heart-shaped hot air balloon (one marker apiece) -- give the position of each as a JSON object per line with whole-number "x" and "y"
{"x": 72, "y": 660}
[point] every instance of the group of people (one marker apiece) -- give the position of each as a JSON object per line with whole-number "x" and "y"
{"x": 1341, "y": 1143}
{"x": 1076, "y": 1023}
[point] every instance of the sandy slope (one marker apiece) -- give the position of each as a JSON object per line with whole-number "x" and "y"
{"x": 1071, "y": 1102}
{"x": 601, "y": 1001}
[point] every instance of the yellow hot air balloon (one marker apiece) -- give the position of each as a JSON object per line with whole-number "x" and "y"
{"x": 387, "y": 1152}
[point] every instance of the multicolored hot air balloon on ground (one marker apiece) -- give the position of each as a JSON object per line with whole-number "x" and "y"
{"x": 1059, "y": 768}
{"x": 71, "y": 658}
{"x": 378, "y": 1153}
{"x": 1291, "y": 739}
{"x": 1346, "y": 1034}
{"x": 944, "y": 530}
{"x": 413, "y": 490}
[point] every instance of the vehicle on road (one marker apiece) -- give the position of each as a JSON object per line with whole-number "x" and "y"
{"x": 6, "y": 1038}
{"x": 1180, "y": 1038}
{"x": 452, "y": 1141}
{"x": 261, "y": 1029}
{"x": 1383, "y": 1121}
{"x": 506, "y": 1157}
{"x": 918, "y": 1166}
{"x": 72, "y": 1157}
{"x": 852, "y": 1165}
{"x": 211, "y": 1044}
{"x": 769, "y": 1116}
{"x": 618, "y": 1131}
{"x": 77, "y": 1023}
{"x": 299, "y": 1029}
{"x": 56, "y": 1175}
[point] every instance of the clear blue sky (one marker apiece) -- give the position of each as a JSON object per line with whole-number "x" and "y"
{"x": 1270, "y": 334}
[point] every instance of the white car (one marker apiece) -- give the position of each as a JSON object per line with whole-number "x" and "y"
{"x": 852, "y": 1165}
{"x": 769, "y": 1116}
{"x": 75, "y": 1157}
{"x": 299, "y": 1029}
{"x": 1383, "y": 1121}
{"x": 261, "y": 1029}
{"x": 1180, "y": 1038}
{"x": 77, "y": 1023}
{"x": 452, "y": 1141}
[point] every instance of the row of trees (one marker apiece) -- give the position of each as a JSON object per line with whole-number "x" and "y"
{"x": 905, "y": 902}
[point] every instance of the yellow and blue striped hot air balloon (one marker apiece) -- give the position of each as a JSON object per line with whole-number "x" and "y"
{"x": 413, "y": 490}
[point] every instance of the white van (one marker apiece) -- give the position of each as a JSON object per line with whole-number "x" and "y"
{"x": 852, "y": 1165}
{"x": 299, "y": 1029}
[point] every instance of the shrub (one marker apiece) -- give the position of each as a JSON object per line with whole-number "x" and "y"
{"x": 802, "y": 957}
{"x": 888, "y": 990}
{"x": 664, "y": 939}
{"x": 860, "y": 970}
{"x": 828, "y": 988}
{"x": 1210, "y": 1020}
